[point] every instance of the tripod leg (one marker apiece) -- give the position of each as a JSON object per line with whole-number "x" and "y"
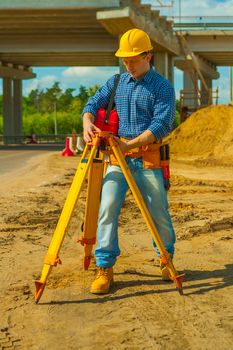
{"x": 52, "y": 258}
{"x": 178, "y": 279}
{"x": 88, "y": 238}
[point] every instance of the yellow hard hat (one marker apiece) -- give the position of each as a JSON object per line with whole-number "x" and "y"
{"x": 133, "y": 42}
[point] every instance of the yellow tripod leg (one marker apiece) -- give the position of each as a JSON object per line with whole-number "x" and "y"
{"x": 178, "y": 279}
{"x": 88, "y": 238}
{"x": 52, "y": 258}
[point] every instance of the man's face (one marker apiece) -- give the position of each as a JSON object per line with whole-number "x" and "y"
{"x": 137, "y": 66}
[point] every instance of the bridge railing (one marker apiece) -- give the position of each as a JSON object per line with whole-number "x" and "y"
{"x": 201, "y": 22}
{"x": 191, "y": 100}
{"x": 33, "y": 139}
{"x": 204, "y": 97}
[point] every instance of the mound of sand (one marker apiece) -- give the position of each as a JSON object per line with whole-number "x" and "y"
{"x": 207, "y": 134}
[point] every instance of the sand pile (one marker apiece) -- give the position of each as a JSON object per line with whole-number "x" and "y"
{"x": 207, "y": 134}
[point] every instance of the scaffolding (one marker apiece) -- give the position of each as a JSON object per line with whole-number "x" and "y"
{"x": 191, "y": 100}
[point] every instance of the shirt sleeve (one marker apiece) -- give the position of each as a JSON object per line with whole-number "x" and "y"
{"x": 164, "y": 111}
{"x": 101, "y": 98}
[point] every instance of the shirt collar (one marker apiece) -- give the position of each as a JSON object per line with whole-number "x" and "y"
{"x": 147, "y": 77}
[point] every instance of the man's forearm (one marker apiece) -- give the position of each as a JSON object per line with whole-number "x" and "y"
{"x": 88, "y": 117}
{"x": 143, "y": 139}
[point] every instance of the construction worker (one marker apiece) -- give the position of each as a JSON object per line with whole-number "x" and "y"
{"x": 145, "y": 102}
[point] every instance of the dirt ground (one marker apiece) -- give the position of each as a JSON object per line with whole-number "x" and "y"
{"x": 142, "y": 312}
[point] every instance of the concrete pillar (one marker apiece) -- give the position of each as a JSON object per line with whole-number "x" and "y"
{"x": 206, "y": 96}
{"x": 164, "y": 65}
{"x": 12, "y": 110}
{"x": 17, "y": 110}
{"x": 8, "y": 121}
{"x": 190, "y": 96}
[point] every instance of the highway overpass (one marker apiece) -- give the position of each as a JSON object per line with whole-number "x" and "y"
{"x": 86, "y": 33}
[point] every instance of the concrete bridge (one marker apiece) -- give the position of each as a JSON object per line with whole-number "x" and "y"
{"x": 86, "y": 33}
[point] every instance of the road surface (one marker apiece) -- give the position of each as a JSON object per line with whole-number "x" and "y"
{"x": 16, "y": 157}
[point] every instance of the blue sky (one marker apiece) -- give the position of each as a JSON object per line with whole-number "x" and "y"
{"x": 75, "y": 76}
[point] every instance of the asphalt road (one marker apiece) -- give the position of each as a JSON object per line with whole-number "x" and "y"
{"x": 16, "y": 157}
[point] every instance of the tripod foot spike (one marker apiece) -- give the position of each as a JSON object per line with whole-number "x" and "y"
{"x": 39, "y": 290}
{"x": 178, "y": 282}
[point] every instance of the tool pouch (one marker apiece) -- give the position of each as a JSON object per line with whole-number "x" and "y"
{"x": 151, "y": 156}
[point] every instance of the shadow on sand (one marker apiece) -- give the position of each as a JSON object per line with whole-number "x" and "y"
{"x": 225, "y": 277}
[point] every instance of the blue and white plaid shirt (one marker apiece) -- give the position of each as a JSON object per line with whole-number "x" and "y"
{"x": 147, "y": 103}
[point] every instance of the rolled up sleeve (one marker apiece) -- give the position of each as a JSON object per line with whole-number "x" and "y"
{"x": 164, "y": 111}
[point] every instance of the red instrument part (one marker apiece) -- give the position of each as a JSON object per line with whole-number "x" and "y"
{"x": 110, "y": 125}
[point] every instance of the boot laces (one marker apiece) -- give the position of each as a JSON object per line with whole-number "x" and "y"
{"x": 102, "y": 271}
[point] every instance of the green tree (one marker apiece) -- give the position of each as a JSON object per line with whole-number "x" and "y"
{"x": 82, "y": 96}
{"x": 1, "y": 104}
{"x": 34, "y": 100}
{"x": 178, "y": 105}
{"x": 92, "y": 90}
{"x": 1, "y": 124}
{"x": 76, "y": 106}
{"x": 50, "y": 98}
{"x": 66, "y": 99}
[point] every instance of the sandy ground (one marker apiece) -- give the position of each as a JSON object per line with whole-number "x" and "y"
{"x": 142, "y": 312}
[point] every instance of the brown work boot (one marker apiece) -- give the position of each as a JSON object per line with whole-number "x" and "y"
{"x": 103, "y": 280}
{"x": 164, "y": 271}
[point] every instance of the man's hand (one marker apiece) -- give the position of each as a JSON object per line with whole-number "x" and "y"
{"x": 122, "y": 144}
{"x": 88, "y": 127}
{"x": 143, "y": 139}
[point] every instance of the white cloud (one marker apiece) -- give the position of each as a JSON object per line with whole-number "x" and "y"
{"x": 207, "y": 8}
{"x": 88, "y": 76}
{"x": 41, "y": 83}
{"x": 76, "y": 72}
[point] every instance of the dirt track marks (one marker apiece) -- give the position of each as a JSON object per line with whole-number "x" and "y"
{"x": 7, "y": 341}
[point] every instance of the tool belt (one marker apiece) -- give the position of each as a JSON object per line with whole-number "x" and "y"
{"x": 150, "y": 155}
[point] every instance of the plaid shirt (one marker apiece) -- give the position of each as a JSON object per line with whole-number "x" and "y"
{"x": 147, "y": 103}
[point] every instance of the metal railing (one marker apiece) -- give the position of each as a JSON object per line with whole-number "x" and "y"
{"x": 193, "y": 100}
{"x": 203, "y": 25}
{"x": 33, "y": 139}
{"x": 201, "y": 22}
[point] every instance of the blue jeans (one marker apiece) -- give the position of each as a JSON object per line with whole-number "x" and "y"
{"x": 150, "y": 183}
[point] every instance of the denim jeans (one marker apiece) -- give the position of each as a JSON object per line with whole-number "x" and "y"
{"x": 150, "y": 183}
